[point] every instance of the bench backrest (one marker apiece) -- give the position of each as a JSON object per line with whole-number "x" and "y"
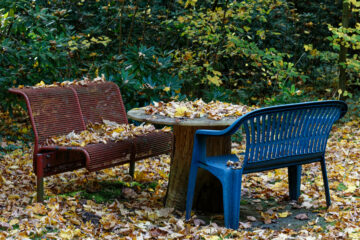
{"x": 100, "y": 101}
{"x": 289, "y": 130}
{"x": 60, "y": 110}
{"x": 52, "y": 111}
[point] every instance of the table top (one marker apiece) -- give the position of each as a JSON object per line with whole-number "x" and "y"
{"x": 139, "y": 114}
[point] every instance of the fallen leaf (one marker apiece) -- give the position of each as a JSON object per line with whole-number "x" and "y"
{"x": 251, "y": 218}
{"x": 198, "y": 222}
{"x": 284, "y": 214}
{"x": 302, "y": 216}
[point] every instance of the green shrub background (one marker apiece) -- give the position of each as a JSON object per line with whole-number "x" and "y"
{"x": 254, "y": 51}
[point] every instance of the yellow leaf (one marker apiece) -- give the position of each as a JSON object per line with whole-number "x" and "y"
{"x": 13, "y": 196}
{"x": 284, "y": 214}
{"x": 213, "y": 238}
{"x": 75, "y": 221}
{"x": 39, "y": 209}
{"x": 180, "y": 111}
{"x": 24, "y": 130}
{"x": 14, "y": 221}
{"x": 66, "y": 234}
{"x": 36, "y": 64}
{"x": 166, "y": 129}
{"x": 181, "y": 19}
{"x": 308, "y": 47}
{"x": 190, "y": 2}
{"x": 314, "y": 52}
{"x": 350, "y": 188}
{"x": 246, "y": 28}
{"x": 214, "y": 80}
{"x": 279, "y": 186}
{"x": 354, "y": 235}
{"x": 40, "y": 84}
{"x": 166, "y": 89}
{"x": 188, "y": 55}
{"x": 217, "y": 73}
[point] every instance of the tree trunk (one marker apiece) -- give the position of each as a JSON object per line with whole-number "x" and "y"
{"x": 132, "y": 23}
{"x": 215, "y": 4}
{"x": 120, "y": 26}
{"x": 343, "y": 50}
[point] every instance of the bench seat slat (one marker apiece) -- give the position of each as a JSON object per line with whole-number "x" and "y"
{"x": 153, "y": 144}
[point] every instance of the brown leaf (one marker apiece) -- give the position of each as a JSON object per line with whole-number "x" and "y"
{"x": 155, "y": 232}
{"x": 302, "y": 216}
{"x": 267, "y": 220}
{"x": 251, "y": 218}
{"x": 198, "y": 222}
{"x": 129, "y": 193}
{"x": 3, "y": 144}
{"x": 245, "y": 225}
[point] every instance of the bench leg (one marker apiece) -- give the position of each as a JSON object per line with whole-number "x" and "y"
{"x": 132, "y": 169}
{"x": 326, "y": 183}
{"x": 191, "y": 190}
{"x": 231, "y": 198}
{"x": 294, "y": 174}
{"x": 39, "y": 178}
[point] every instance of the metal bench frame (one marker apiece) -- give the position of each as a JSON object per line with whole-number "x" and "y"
{"x": 60, "y": 110}
{"x": 276, "y": 137}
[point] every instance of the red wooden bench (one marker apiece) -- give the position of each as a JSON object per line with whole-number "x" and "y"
{"x": 60, "y": 110}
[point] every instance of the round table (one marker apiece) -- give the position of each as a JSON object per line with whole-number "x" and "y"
{"x": 208, "y": 191}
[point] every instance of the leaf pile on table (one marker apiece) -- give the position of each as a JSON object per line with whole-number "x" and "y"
{"x": 214, "y": 110}
{"x": 103, "y": 133}
{"x": 84, "y": 82}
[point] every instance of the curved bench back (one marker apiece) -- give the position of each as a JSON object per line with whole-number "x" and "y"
{"x": 57, "y": 111}
{"x": 53, "y": 111}
{"x": 289, "y": 131}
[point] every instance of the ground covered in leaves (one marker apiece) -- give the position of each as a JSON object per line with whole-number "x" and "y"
{"x": 109, "y": 204}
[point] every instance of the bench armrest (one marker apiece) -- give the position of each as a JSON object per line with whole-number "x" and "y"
{"x": 224, "y": 132}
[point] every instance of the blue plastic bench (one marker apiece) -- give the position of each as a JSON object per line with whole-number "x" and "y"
{"x": 276, "y": 137}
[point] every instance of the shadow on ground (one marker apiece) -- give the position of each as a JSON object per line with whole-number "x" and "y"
{"x": 254, "y": 212}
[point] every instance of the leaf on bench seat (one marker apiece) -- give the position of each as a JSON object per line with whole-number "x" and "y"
{"x": 102, "y": 133}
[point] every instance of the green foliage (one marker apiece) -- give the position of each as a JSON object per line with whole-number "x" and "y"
{"x": 147, "y": 76}
{"x": 231, "y": 47}
{"x": 250, "y": 51}
{"x": 286, "y": 95}
{"x": 63, "y": 40}
{"x": 349, "y": 37}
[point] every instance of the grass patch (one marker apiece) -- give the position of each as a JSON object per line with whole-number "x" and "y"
{"x": 244, "y": 202}
{"x": 41, "y": 235}
{"x": 341, "y": 187}
{"x": 108, "y": 191}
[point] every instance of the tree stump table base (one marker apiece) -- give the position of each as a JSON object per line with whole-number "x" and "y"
{"x": 208, "y": 191}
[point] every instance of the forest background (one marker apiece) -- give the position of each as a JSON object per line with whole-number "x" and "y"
{"x": 255, "y": 52}
{"x": 261, "y": 52}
